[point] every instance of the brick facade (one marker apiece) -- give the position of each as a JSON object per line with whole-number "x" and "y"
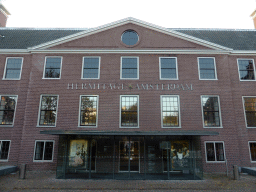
{"x": 31, "y": 86}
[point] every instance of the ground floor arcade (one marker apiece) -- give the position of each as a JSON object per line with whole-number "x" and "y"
{"x": 129, "y": 155}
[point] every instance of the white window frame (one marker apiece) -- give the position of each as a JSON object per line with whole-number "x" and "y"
{"x": 83, "y": 67}
{"x": 39, "y": 111}
{"x": 45, "y": 66}
{"x": 245, "y": 112}
{"x": 44, "y": 150}
{"x": 5, "y": 160}
{"x": 250, "y": 151}
{"x": 161, "y": 99}
{"x": 121, "y": 67}
{"x": 215, "y": 152}
{"x": 79, "y": 117}
{"x": 3, "y": 125}
{"x": 202, "y": 108}
{"x": 120, "y": 111}
{"x": 160, "y": 67}
{"x": 215, "y": 69}
{"x": 6, "y": 67}
{"x": 239, "y": 69}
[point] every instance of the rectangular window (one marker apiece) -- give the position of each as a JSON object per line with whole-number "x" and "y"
{"x": 252, "y": 148}
{"x": 88, "y": 111}
{"x": 52, "y": 67}
{"x": 91, "y": 68}
{"x": 48, "y": 110}
{"x": 129, "y": 68}
{"x": 43, "y": 151}
{"x": 215, "y": 151}
{"x": 170, "y": 111}
{"x": 207, "y": 68}
{"x": 7, "y": 109}
{"x": 4, "y": 150}
{"x": 129, "y": 109}
{"x": 246, "y": 69}
{"x": 250, "y": 111}
{"x": 211, "y": 111}
{"x": 168, "y": 68}
{"x": 13, "y": 68}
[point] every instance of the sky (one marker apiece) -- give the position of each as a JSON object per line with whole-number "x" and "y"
{"x": 227, "y": 14}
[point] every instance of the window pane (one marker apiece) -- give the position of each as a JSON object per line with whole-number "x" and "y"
{"x": 4, "y": 149}
{"x": 253, "y": 151}
{"x": 91, "y": 68}
{"x": 129, "y": 68}
{"x": 170, "y": 111}
{"x": 210, "y": 152}
{"x": 168, "y": 68}
{"x": 48, "y": 110}
{"x": 207, "y": 68}
{"x": 39, "y": 151}
{"x": 130, "y": 37}
{"x": 7, "y": 109}
{"x": 48, "y": 151}
{"x": 211, "y": 111}
{"x": 52, "y": 67}
{"x": 250, "y": 111}
{"x": 219, "y": 151}
{"x": 88, "y": 113}
{"x": 129, "y": 111}
{"x": 246, "y": 69}
{"x": 13, "y": 68}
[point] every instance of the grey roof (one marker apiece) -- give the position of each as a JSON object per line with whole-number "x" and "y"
{"x": 231, "y": 38}
{"x": 24, "y": 38}
{"x": 19, "y": 38}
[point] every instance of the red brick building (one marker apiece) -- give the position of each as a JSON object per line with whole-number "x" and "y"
{"x": 128, "y": 100}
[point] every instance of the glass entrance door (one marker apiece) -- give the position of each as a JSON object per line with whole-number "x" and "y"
{"x": 129, "y": 156}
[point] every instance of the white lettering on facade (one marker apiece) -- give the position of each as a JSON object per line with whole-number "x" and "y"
{"x": 115, "y": 86}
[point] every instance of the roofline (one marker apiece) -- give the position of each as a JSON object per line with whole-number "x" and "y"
{"x": 128, "y": 51}
{"x": 4, "y": 9}
{"x": 123, "y": 22}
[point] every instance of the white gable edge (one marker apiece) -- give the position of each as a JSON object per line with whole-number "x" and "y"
{"x": 133, "y": 21}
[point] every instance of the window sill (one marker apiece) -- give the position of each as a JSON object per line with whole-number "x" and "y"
{"x": 3, "y": 160}
{"x": 208, "y": 79}
{"x": 50, "y": 78}
{"x": 87, "y": 126}
{"x": 129, "y": 127}
{"x": 213, "y": 127}
{"x": 2, "y": 125}
{"x": 11, "y": 79}
{"x": 170, "y": 127}
{"x": 215, "y": 162}
{"x": 45, "y": 126}
{"x": 42, "y": 161}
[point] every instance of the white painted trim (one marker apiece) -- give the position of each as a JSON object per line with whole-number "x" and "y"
{"x": 203, "y": 111}
{"x": 250, "y": 151}
{"x": 214, "y": 142}
{"x": 43, "y": 151}
{"x": 60, "y": 66}
{"x": 39, "y": 111}
{"x": 161, "y": 99}
{"x": 244, "y": 111}
{"x": 83, "y": 67}
{"x": 120, "y": 111}
{"x": 14, "y": 51}
{"x": 7, "y": 58}
{"x": 215, "y": 69}
{"x": 239, "y": 68}
{"x": 5, "y": 160}
{"x": 126, "y": 21}
{"x": 79, "y": 117}
{"x": 121, "y": 68}
{"x": 128, "y": 51}
{"x": 2, "y": 125}
{"x": 160, "y": 66}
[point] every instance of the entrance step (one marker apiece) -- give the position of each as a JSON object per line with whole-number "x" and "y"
{"x": 4, "y": 170}
{"x": 249, "y": 170}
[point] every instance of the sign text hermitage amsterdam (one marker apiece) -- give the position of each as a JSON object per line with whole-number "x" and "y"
{"x": 123, "y": 86}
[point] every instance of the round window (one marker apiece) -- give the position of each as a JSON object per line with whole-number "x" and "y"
{"x": 130, "y": 37}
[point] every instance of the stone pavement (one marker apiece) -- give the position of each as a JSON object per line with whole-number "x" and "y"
{"x": 45, "y": 181}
